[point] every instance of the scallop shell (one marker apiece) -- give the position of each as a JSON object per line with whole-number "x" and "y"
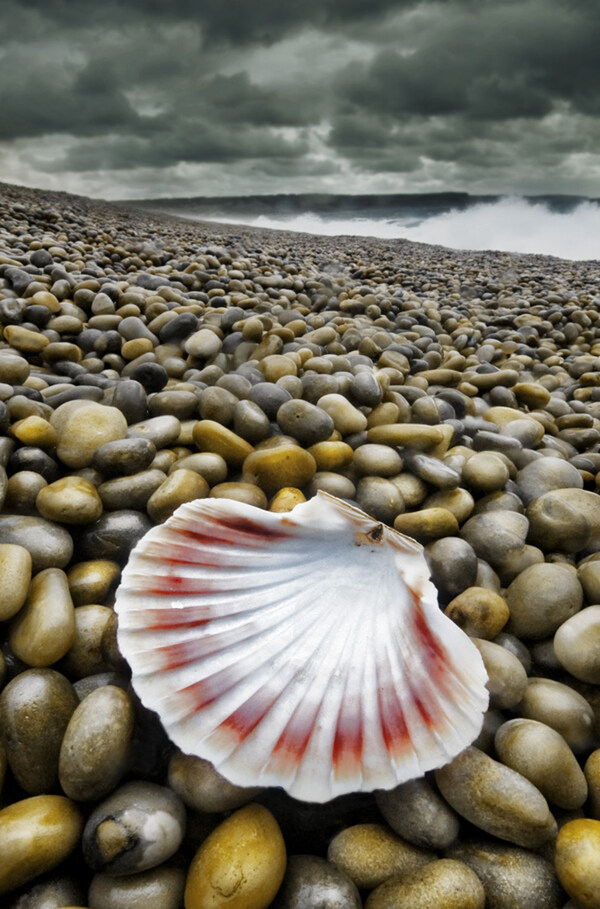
{"x": 304, "y": 650}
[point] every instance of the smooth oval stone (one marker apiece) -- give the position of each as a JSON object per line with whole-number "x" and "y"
{"x": 541, "y": 598}
{"x": 588, "y": 574}
{"x": 52, "y": 891}
{"x": 542, "y": 756}
{"x": 591, "y": 772}
{"x": 513, "y": 878}
{"x": 217, "y": 404}
{"x": 132, "y": 491}
{"x": 202, "y": 788}
{"x": 496, "y": 535}
{"x": 15, "y": 571}
{"x": 82, "y": 427}
{"x": 275, "y": 468}
{"x": 480, "y": 612}
{"x": 560, "y": 707}
{"x": 331, "y": 456}
{"x": 417, "y": 436}
{"x": 459, "y": 501}
{"x": 286, "y": 499}
{"x": 240, "y": 492}
{"x": 113, "y": 535}
{"x": 577, "y": 645}
{"x": 139, "y": 826}
{"x": 85, "y": 656}
{"x": 333, "y": 483}
{"x": 376, "y": 460}
{"x": 42, "y": 632}
{"x": 93, "y": 581}
{"x": 203, "y": 344}
{"x": 210, "y": 436}
{"x": 36, "y": 835}
{"x": 507, "y": 679}
{"x": 70, "y": 500}
{"x": 21, "y": 491}
{"x": 347, "y": 419}
{"x": 380, "y": 498}
{"x": 564, "y": 520}
{"x": 577, "y": 861}
{"x": 250, "y": 422}
{"x": 445, "y": 882}
{"x": 157, "y": 888}
{"x": 96, "y": 747}
{"x": 545, "y": 474}
{"x": 496, "y": 799}
{"x": 485, "y": 472}
{"x": 440, "y": 474}
{"x": 49, "y": 544}
{"x": 371, "y": 853}
{"x": 240, "y": 865}
{"x": 209, "y": 465}
{"x": 179, "y": 487}
{"x": 305, "y": 422}
{"x": 453, "y": 565}
{"x": 311, "y": 881}
{"x": 124, "y": 457}
{"x": 161, "y": 431}
{"x": 417, "y": 813}
{"x": 427, "y": 524}
{"x": 35, "y": 709}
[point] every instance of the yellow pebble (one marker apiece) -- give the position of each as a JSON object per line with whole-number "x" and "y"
{"x": 577, "y": 861}
{"x": 36, "y": 431}
{"x": 240, "y": 865}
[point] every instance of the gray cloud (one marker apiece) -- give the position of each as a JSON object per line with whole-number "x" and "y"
{"x": 360, "y": 94}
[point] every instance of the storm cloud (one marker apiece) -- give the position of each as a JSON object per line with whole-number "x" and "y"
{"x": 201, "y": 97}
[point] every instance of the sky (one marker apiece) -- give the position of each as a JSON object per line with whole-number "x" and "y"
{"x": 149, "y": 98}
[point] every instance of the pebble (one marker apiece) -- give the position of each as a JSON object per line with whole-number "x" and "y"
{"x": 96, "y": 748}
{"x": 305, "y": 422}
{"x": 507, "y": 678}
{"x": 480, "y": 612}
{"x": 371, "y": 460}
{"x": 124, "y": 457}
{"x": 70, "y": 500}
{"x": 93, "y": 581}
{"x": 513, "y": 878}
{"x": 577, "y": 861}
{"x": 138, "y": 827}
{"x": 541, "y": 598}
{"x": 370, "y": 854}
{"x": 157, "y": 888}
{"x": 85, "y": 656}
{"x": 577, "y": 645}
{"x": 496, "y": 799}
{"x": 43, "y": 630}
{"x": 540, "y": 754}
{"x": 453, "y": 566}
{"x": 82, "y": 427}
{"x": 417, "y": 813}
{"x": 36, "y": 835}
{"x": 273, "y": 469}
{"x": 35, "y": 709}
{"x": 240, "y": 492}
{"x": 240, "y": 865}
{"x": 561, "y": 707}
{"x": 311, "y": 881}
{"x": 445, "y": 882}
{"x": 202, "y": 788}
{"x": 210, "y": 436}
{"x": 132, "y": 491}
{"x": 181, "y": 486}
{"x": 427, "y": 524}
{"x": 49, "y": 544}
{"x": 160, "y": 431}
{"x": 112, "y": 536}
{"x": 15, "y": 570}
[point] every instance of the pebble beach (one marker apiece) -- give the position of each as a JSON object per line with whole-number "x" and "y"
{"x": 147, "y": 361}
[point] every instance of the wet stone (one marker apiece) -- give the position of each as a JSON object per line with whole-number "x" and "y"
{"x": 417, "y": 813}
{"x": 577, "y": 645}
{"x": 507, "y": 679}
{"x": 371, "y": 853}
{"x": 240, "y": 865}
{"x": 250, "y": 422}
{"x": 209, "y": 465}
{"x": 35, "y": 709}
{"x": 545, "y": 475}
{"x": 15, "y": 570}
{"x": 157, "y": 888}
{"x": 275, "y": 468}
{"x": 427, "y": 524}
{"x": 85, "y": 656}
{"x": 305, "y": 422}
{"x": 70, "y": 500}
{"x": 311, "y": 881}
{"x": 43, "y": 630}
{"x": 160, "y": 431}
{"x": 138, "y": 827}
{"x": 496, "y": 799}
{"x": 240, "y": 492}
{"x": 113, "y": 536}
{"x": 36, "y": 835}
{"x": 379, "y": 498}
{"x": 513, "y": 878}
{"x": 541, "y": 598}
{"x": 210, "y": 436}
{"x": 445, "y": 882}
{"x": 49, "y": 544}
{"x": 96, "y": 747}
{"x": 577, "y": 861}
{"x": 124, "y": 457}
{"x": 82, "y": 427}
{"x": 540, "y": 754}
{"x": 202, "y": 788}
{"x": 560, "y": 707}
{"x": 132, "y": 491}
{"x": 480, "y": 612}
{"x": 92, "y": 581}
{"x": 453, "y": 566}
{"x": 181, "y": 486}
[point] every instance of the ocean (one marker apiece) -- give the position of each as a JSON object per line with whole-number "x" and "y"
{"x": 553, "y": 225}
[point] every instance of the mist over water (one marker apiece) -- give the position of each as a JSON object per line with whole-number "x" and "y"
{"x": 511, "y": 224}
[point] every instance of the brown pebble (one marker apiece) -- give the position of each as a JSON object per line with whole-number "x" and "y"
{"x": 479, "y": 612}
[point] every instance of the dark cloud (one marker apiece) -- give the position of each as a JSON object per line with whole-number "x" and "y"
{"x": 389, "y": 90}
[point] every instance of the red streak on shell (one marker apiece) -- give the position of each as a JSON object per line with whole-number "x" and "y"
{"x": 164, "y": 619}
{"x": 393, "y": 723}
{"x": 348, "y": 743}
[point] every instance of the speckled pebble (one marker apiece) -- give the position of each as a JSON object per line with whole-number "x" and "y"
{"x": 157, "y": 888}
{"x": 577, "y": 861}
{"x": 577, "y": 645}
{"x": 202, "y": 788}
{"x": 139, "y": 826}
{"x": 560, "y": 707}
{"x": 370, "y": 854}
{"x": 480, "y": 612}
{"x": 70, "y": 500}
{"x": 312, "y": 882}
{"x": 445, "y": 882}
{"x": 43, "y": 630}
{"x": 417, "y": 813}
{"x": 82, "y": 427}
{"x": 15, "y": 570}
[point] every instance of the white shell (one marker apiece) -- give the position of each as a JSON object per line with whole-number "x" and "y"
{"x": 303, "y": 650}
